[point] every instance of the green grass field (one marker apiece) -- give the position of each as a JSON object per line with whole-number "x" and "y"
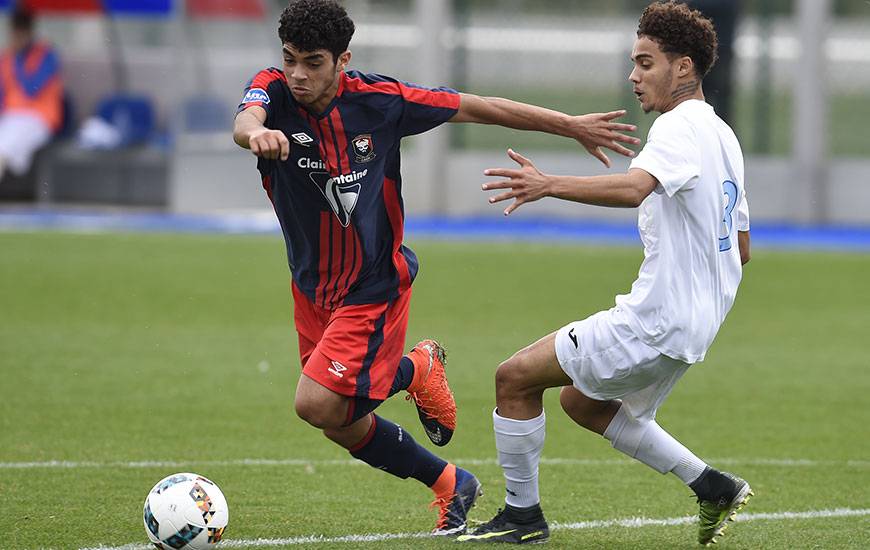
{"x": 122, "y": 349}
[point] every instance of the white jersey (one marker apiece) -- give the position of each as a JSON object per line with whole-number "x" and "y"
{"x": 688, "y": 225}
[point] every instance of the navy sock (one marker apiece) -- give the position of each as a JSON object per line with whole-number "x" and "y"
{"x": 390, "y": 448}
{"x": 404, "y": 376}
{"x": 359, "y": 407}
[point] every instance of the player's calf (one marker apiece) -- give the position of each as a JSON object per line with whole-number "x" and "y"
{"x": 589, "y": 413}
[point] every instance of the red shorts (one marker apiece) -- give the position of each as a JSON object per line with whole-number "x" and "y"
{"x": 353, "y": 350}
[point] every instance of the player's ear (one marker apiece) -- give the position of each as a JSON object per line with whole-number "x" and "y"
{"x": 343, "y": 60}
{"x": 685, "y": 66}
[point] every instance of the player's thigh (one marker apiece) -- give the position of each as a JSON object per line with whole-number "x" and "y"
{"x": 533, "y": 368}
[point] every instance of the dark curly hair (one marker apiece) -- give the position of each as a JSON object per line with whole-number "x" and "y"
{"x": 680, "y": 30}
{"x": 316, "y": 24}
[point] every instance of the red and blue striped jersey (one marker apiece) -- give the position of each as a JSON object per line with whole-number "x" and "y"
{"x": 338, "y": 197}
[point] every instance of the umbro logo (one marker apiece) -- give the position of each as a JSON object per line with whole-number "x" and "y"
{"x": 337, "y": 369}
{"x": 573, "y": 337}
{"x": 302, "y": 139}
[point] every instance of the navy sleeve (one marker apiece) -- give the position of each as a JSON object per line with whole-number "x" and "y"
{"x": 426, "y": 108}
{"x": 258, "y": 89}
{"x": 421, "y": 108}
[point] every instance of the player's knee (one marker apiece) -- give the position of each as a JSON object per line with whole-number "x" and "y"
{"x": 569, "y": 405}
{"x": 317, "y": 413}
{"x": 579, "y": 410}
{"x": 590, "y": 413}
{"x": 510, "y": 379}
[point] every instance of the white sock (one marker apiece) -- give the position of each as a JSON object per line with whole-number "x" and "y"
{"x": 689, "y": 468}
{"x": 519, "y": 444}
{"x": 647, "y": 442}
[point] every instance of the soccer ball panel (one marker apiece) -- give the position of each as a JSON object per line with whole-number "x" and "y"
{"x": 185, "y": 512}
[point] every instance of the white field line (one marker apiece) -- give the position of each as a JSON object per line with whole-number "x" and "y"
{"x": 311, "y": 463}
{"x": 595, "y": 524}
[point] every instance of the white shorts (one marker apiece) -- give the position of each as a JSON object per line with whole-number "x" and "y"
{"x": 605, "y": 360}
{"x": 21, "y": 135}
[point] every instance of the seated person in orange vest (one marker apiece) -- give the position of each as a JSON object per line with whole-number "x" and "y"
{"x": 31, "y": 95}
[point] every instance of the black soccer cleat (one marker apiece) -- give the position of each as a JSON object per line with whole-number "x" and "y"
{"x": 506, "y": 527}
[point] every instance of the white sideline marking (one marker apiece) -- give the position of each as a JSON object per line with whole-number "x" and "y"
{"x": 775, "y": 516}
{"x": 300, "y": 462}
{"x": 595, "y": 524}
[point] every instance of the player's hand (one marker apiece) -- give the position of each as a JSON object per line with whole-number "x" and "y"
{"x": 597, "y": 130}
{"x": 270, "y": 144}
{"x": 527, "y": 184}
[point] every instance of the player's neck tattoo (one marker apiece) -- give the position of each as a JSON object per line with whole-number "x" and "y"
{"x": 685, "y": 90}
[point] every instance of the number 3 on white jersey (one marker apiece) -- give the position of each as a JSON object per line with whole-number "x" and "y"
{"x": 730, "y": 202}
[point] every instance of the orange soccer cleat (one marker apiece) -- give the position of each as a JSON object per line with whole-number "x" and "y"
{"x": 456, "y": 491}
{"x": 430, "y": 392}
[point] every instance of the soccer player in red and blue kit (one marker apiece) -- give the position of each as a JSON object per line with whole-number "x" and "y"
{"x": 328, "y": 146}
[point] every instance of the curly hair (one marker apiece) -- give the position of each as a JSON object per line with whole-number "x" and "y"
{"x": 680, "y": 30}
{"x": 316, "y": 24}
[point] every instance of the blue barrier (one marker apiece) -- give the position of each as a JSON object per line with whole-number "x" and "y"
{"x": 140, "y": 7}
{"x": 116, "y": 7}
{"x": 459, "y": 229}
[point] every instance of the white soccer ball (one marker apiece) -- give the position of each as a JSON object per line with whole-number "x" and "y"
{"x": 185, "y": 512}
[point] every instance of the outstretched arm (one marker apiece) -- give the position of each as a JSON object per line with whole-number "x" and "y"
{"x": 528, "y": 184}
{"x": 593, "y": 131}
{"x": 249, "y": 132}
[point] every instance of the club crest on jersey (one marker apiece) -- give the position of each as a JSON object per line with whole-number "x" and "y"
{"x": 341, "y": 192}
{"x": 363, "y": 147}
{"x": 256, "y": 94}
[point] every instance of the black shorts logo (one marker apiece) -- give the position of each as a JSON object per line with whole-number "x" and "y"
{"x": 363, "y": 148}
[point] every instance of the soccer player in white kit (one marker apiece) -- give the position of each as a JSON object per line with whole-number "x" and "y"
{"x": 616, "y": 367}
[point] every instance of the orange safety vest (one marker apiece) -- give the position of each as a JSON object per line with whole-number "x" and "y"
{"x": 47, "y": 103}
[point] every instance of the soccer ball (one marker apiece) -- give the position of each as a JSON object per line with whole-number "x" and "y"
{"x": 185, "y": 512}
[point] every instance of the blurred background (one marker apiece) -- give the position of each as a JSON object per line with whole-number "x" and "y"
{"x": 150, "y": 88}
